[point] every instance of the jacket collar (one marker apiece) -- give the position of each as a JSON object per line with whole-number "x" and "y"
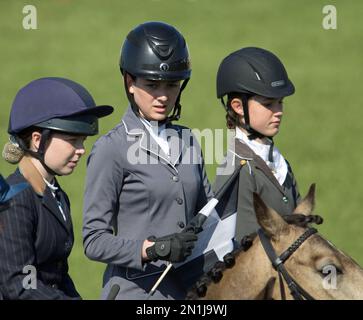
{"x": 32, "y": 175}
{"x": 134, "y": 127}
{"x": 245, "y": 152}
{"x": 132, "y": 123}
{"x": 241, "y": 150}
{"x": 35, "y": 179}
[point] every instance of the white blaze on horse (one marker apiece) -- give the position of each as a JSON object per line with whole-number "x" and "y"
{"x": 286, "y": 260}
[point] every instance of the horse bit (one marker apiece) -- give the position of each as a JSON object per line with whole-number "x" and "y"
{"x": 296, "y": 290}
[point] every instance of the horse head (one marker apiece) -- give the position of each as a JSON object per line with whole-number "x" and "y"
{"x": 314, "y": 266}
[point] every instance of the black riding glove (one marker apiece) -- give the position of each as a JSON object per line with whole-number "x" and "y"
{"x": 175, "y": 247}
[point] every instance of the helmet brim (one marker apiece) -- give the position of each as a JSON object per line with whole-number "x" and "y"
{"x": 166, "y": 76}
{"x": 98, "y": 111}
{"x": 275, "y": 92}
{"x": 79, "y": 123}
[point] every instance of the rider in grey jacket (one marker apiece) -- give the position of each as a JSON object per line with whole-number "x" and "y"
{"x": 146, "y": 177}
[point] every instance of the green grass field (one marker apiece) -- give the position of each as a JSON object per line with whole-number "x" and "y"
{"x": 321, "y": 130}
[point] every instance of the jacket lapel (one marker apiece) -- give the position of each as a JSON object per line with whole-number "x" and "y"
{"x": 176, "y": 143}
{"x": 134, "y": 127}
{"x": 246, "y": 152}
{"x": 32, "y": 175}
{"x": 51, "y": 205}
{"x": 66, "y": 208}
{"x": 148, "y": 143}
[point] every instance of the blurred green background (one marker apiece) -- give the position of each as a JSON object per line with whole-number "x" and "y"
{"x": 321, "y": 132}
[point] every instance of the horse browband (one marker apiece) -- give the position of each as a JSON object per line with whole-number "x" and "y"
{"x": 278, "y": 263}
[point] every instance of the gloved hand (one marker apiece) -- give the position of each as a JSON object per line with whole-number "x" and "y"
{"x": 175, "y": 247}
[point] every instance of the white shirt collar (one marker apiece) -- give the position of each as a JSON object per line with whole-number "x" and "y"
{"x": 278, "y": 166}
{"x": 53, "y": 189}
{"x": 51, "y": 186}
{"x": 158, "y": 133}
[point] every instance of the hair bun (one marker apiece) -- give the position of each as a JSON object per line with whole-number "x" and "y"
{"x": 12, "y": 153}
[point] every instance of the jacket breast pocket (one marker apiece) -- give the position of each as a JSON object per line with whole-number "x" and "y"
{"x": 151, "y": 269}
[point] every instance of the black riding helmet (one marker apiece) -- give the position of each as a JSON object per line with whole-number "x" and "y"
{"x": 156, "y": 51}
{"x": 252, "y": 71}
{"x": 54, "y": 104}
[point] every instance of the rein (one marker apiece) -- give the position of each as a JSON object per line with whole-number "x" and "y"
{"x": 296, "y": 290}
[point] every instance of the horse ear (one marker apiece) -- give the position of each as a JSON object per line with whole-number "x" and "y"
{"x": 269, "y": 220}
{"x": 307, "y": 205}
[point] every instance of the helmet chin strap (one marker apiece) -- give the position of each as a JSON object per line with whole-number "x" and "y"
{"x": 130, "y": 97}
{"x": 253, "y": 134}
{"x": 176, "y": 110}
{"x": 40, "y": 153}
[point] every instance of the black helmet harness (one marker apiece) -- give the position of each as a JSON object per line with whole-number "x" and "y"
{"x": 85, "y": 124}
{"x": 252, "y": 133}
{"x": 40, "y": 153}
{"x": 53, "y": 105}
{"x": 155, "y": 51}
{"x": 253, "y": 71}
{"x": 176, "y": 110}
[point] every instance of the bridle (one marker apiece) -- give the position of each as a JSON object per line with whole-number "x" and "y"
{"x": 296, "y": 290}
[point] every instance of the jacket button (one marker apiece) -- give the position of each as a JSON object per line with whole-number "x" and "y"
{"x": 181, "y": 224}
{"x": 67, "y": 245}
{"x": 175, "y": 178}
{"x": 285, "y": 199}
{"x": 179, "y": 200}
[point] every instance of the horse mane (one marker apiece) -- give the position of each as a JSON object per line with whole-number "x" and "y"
{"x": 199, "y": 289}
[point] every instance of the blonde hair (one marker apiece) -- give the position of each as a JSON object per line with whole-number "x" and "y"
{"x": 16, "y": 147}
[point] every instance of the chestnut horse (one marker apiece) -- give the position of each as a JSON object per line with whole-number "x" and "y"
{"x": 286, "y": 260}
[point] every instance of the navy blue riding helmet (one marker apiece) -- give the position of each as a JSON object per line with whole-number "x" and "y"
{"x": 57, "y": 104}
{"x": 54, "y": 104}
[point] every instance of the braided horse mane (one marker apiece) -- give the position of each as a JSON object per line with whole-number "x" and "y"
{"x": 199, "y": 289}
